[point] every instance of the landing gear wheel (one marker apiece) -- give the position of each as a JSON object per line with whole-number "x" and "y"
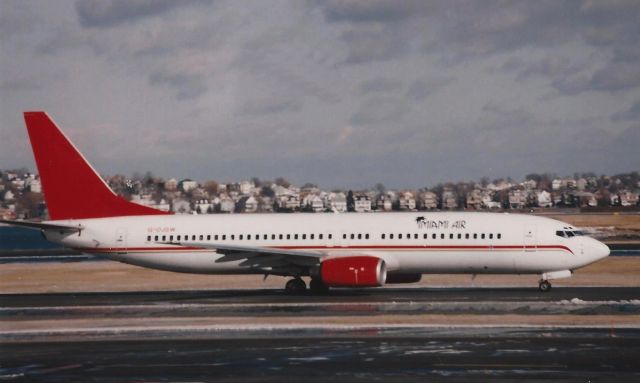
{"x": 295, "y": 286}
{"x": 544, "y": 286}
{"x": 317, "y": 286}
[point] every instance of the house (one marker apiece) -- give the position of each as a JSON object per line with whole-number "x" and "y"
{"x": 362, "y": 203}
{"x": 517, "y": 199}
{"x": 203, "y": 206}
{"x": 227, "y": 205}
{"x": 181, "y": 206}
{"x": 338, "y": 202}
{"x": 407, "y": 201}
{"x": 544, "y": 199}
{"x": 35, "y": 186}
{"x": 474, "y": 199}
{"x": 624, "y": 198}
{"x": 162, "y": 205}
{"x": 9, "y": 196}
{"x": 289, "y": 202}
{"x": 313, "y": 202}
{"x": 429, "y": 200}
{"x": 246, "y": 187}
{"x": 384, "y": 203}
{"x": 251, "y": 205}
{"x": 449, "y": 200}
{"x": 171, "y": 185}
{"x": 187, "y": 185}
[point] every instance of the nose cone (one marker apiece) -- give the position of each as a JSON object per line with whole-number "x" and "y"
{"x": 601, "y": 250}
{"x": 596, "y": 250}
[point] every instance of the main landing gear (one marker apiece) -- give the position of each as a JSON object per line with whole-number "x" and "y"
{"x": 297, "y": 286}
{"x": 544, "y": 285}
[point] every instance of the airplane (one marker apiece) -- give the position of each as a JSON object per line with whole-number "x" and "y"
{"x": 350, "y": 250}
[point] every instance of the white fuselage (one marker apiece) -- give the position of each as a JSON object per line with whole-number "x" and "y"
{"x": 416, "y": 242}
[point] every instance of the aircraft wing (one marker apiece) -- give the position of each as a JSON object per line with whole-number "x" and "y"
{"x": 261, "y": 257}
{"x": 44, "y": 225}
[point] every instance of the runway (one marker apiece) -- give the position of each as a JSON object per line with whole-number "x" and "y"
{"x": 395, "y": 334}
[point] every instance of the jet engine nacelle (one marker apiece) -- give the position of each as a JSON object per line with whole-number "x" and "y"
{"x": 356, "y": 271}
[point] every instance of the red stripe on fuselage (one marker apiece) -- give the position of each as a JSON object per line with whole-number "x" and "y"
{"x": 400, "y": 248}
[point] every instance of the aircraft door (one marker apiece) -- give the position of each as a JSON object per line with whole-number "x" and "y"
{"x": 530, "y": 238}
{"x": 121, "y": 240}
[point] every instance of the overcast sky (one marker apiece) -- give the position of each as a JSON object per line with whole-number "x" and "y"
{"x": 340, "y": 93}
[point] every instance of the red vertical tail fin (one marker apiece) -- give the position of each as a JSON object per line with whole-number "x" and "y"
{"x": 72, "y": 188}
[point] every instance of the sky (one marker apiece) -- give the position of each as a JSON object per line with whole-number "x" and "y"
{"x": 343, "y": 94}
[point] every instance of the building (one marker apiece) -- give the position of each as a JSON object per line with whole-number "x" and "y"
{"x": 313, "y": 202}
{"x": 407, "y": 201}
{"x": 449, "y": 200}
{"x": 338, "y": 202}
{"x": 171, "y": 185}
{"x": 429, "y": 200}
{"x": 362, "y": 203}
{"x": 544, "y": 199}
{"x": 188, "y": 185}
{"x": 517, "y": 199}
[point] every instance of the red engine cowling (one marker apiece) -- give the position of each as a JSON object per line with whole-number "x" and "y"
{"x": 357, "y": 271}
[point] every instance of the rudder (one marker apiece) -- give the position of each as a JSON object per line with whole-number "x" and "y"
{"x": 72, "y": 188}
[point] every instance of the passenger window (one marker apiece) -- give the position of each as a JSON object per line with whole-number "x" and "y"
{"x": 482, "y": 235}
{"x": 459, "y": 236}
{"x": 171, "y": 238}
{"x": 164, "y": 238}
{"x": 491, "y": 236}
{"x": 408, "y": 236}
{"x": 214, "y": 237}
{"x": 240, "y": 237}
{"x": 288, "y": 236}
{"x": 451, "y": 236}
{"x": 399, "y": 236}
{"x": 233, "y": 236}
{"x": 466, "y": 236}
{"x": 280, "y": 236}
{"x": 224, "y": 237}
{"x": 209, "y": 237}
{"x": 366, "y": 236}
{"x": 148, "y": 238}
{"x": 330, "y": 236}
{"x": 353, "y": 236}
{"x": 304, "y": 236}
{"x": 295, "y": 236}
{"x": 193, "y": 237}
{"x": 433, "y": 236}
{"x": 320, "y": 236}
{"x": 156, "y": 238}
{"x": 499, "y": 236}
{"x": 248, "y": 237}
{"x": 359, "y": 236}
{"x": 415, "y": 236}
{"x": 390, "y": 236}
{"x": 311, "y": 236}
{"x": 442, "y": 236}
{"x": 382, "y": 236}
{"x": 475, "y": 235}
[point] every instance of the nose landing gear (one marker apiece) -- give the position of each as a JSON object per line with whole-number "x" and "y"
{"x": 544, "y": 285}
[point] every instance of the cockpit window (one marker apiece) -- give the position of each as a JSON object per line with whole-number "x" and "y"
{"x": 569, "y": 233}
